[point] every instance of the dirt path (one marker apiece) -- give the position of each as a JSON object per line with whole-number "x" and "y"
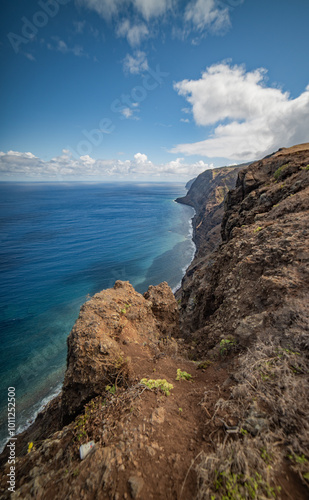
{"x": 166, "y": 434}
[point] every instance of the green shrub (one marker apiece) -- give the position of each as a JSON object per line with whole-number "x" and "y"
{"x": 279, "y": 171}
{"x": 183, "y": 375}
{"x": 226, "y": 345}
{"x": 159, "y": 383}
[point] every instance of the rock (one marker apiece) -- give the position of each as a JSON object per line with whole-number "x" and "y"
{"x": 158, "y": 416}
{"x": 136, "y": 485}
{"x": 249, "y": 326}
{"x": 164, "y": 308}
{"x": 256, "y": 421}
{"x": 97, "y": 355}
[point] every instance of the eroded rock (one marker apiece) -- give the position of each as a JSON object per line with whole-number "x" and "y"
{"x": 98, "y": 345}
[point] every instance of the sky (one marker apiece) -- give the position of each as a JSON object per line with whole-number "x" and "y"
{"x": 154, "y": 90}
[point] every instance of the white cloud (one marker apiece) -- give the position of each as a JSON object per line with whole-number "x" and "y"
{"x": 152, "y": 8}
{"x": 136, "y": 63}
{"x": 134, "y": 33}
{"x": 22, "y": 166}
{"x": 111, "y": 8}
{"x": 129, "y": 112}
{"x": 105, "y": 8}
{"x": 197, "y": 16}
{"x": 61, "y": 46}
{"x": 185, "y": 120}
{"x": 141, "y": 158}
{"x": 207, "y": 14}
{"x": 252, "y": 119}
{"x": 22, "y": 155}
{"x": 87, "y": 160}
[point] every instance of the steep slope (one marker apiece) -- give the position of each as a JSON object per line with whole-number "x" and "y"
{"x": 248, "y": 300}
{"x": 206, "y": 195}
{"x": 263, "y": 259}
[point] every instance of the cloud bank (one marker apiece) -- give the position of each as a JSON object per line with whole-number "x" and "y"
{"x": 15, "y": 165}
{"x": 251, "y": 118}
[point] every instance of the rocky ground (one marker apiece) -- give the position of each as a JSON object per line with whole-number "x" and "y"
{"x": 237, "y": 427}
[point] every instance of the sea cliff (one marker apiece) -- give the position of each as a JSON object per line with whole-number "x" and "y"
{"x": 203, "y": 395}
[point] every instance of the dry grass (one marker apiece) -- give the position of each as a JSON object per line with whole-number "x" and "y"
{"x": 236, "y": 471}
{"x": 269, "y": 406}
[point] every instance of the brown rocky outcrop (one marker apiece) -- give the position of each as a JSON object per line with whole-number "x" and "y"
{"x": 98, "y": 343}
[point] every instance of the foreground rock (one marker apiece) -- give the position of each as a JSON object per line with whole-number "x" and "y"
{"x": 100, "y": 343}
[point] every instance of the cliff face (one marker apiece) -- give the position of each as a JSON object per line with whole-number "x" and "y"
{"x": 244, "y": 286}
{"x": 206, "y": 195}
{"x": 239, "y": 427}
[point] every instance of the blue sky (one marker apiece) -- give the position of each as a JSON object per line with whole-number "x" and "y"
{"x": 149, "y": 89}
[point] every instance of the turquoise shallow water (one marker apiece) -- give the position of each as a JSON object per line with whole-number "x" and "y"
{"x": 61, "y": 242}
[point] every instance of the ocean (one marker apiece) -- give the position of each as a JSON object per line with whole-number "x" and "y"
{"x": 60, "y": 243}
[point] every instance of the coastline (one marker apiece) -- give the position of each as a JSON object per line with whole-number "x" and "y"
{"x": 176, "y": 288}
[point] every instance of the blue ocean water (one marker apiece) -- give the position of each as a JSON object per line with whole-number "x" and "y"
{"x": 60, "y": 243}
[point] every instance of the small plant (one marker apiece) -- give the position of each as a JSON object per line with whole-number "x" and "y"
{"x": 182, "y": 375}
{"x": 180, "y": 410}
{"x": 243, "y": 432}
{"x": 80, "y": 426}
{"x": 159, "y": 383}
{"x": 279, "y": 171}
{"x": 30, "y": 447}
{"x": 240, "y": 487}
{"x": 111, "y": 389}
{"x": 226, "y": 345}
{"x": 301, "y": 460}
{"x": 265, "y": 456}
{"x": 258, "y": 229}
{"x": 126, "y": 307}
{"x": 203, "y": 365}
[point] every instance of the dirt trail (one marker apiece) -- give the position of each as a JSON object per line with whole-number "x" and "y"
{"x": 166, "y": 434}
